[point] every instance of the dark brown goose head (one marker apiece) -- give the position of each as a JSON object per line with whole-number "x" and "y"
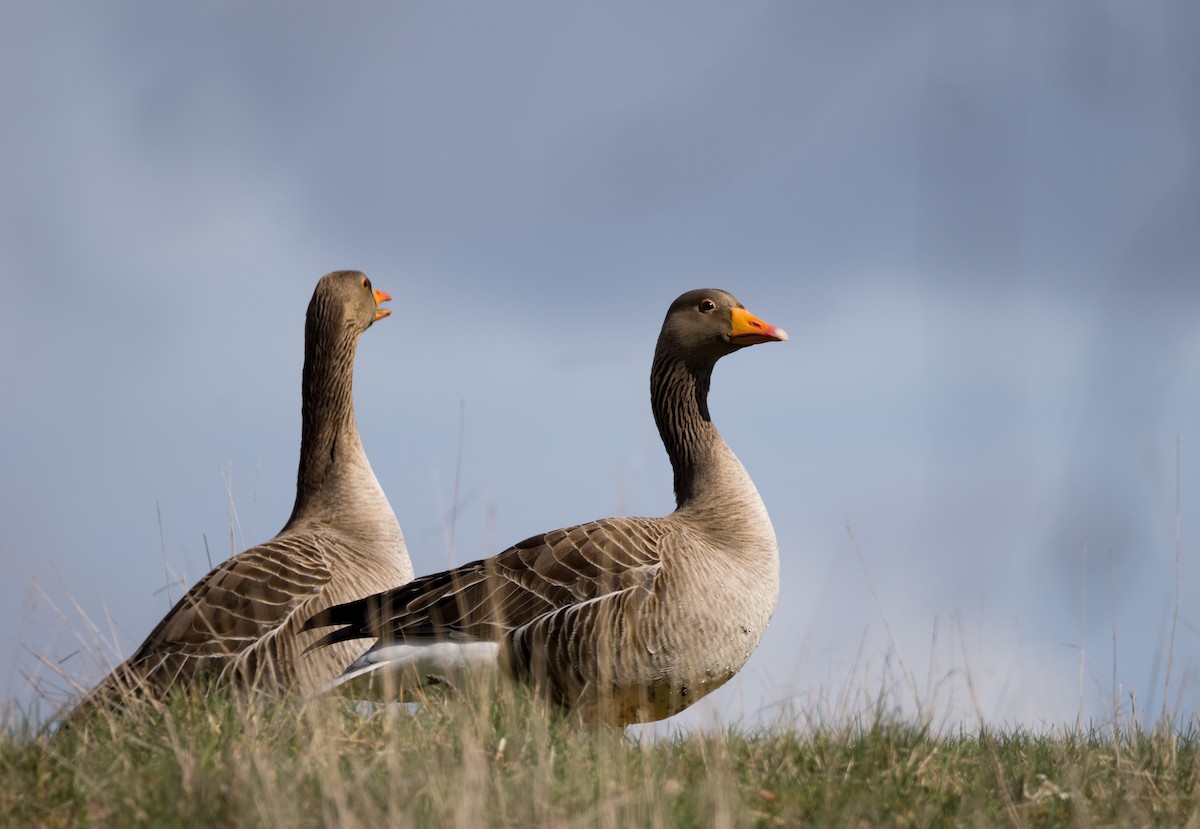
{"x": 701, "y": 327}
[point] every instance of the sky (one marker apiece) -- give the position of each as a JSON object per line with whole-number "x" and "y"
{"x": 979, "y": 223}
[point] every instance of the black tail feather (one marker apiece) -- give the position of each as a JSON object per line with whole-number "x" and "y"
{"x": 341, "y": 635}
{"x": 359, "y": 619}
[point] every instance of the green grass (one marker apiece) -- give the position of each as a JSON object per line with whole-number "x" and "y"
{"x": 501, "y": 759}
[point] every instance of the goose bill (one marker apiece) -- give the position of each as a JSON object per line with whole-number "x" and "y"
{"x": 748, "y": 329}
{"x": 381, "y": 296}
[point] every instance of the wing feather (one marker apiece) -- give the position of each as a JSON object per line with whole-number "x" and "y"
{"x": 487, "y": 599}
{"x": 237, "y": 607}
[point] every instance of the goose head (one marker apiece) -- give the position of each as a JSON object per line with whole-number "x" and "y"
{"x": 345, "y": 299}
{"x": 703, "y": 326}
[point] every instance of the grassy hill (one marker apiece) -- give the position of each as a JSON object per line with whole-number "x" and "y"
{"x": 499, "y": 758}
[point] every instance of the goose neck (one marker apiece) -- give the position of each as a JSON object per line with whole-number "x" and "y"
{"x": 328, "y": 435}
{"x": 679, "y": 398}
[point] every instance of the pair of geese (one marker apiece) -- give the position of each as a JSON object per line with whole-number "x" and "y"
{"x": 617, "y": 621}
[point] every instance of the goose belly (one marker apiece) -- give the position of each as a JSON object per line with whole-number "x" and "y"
{"x": 691, "y": 650}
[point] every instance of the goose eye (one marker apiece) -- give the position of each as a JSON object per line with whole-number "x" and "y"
{"x": 366, "y": 283}
{"x": 707, "y": 305}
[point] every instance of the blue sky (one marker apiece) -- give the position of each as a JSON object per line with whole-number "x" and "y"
{"x": 979, "y": 222}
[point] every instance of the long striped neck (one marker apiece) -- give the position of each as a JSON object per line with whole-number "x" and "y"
{"x": 329, "y": 434}
{"x": 679, "y": 399}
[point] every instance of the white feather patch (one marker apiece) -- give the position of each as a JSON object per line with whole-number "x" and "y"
{"x": 390, "y": 672}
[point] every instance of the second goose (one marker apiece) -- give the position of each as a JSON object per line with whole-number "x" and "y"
{"x": 241, "y": 622}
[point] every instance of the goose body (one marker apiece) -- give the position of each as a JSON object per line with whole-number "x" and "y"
{"x": 620, "y": 620}
{"x": 242, "y": 621}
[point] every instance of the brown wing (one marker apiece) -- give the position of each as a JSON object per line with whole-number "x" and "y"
{"x": 487, "y": 599}
{"x": 234, "y": 610}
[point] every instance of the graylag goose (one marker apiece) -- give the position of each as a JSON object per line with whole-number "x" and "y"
{"x": 242, "y": 621}
{"x": 618, "y": 621}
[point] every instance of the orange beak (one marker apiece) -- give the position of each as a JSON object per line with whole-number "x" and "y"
{"x": 748, "y": 329}
{"x": 381, "y": 296}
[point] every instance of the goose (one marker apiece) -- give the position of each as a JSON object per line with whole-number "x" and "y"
{"x": 241, "y": 622}
{"x": 616, "y": 621}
